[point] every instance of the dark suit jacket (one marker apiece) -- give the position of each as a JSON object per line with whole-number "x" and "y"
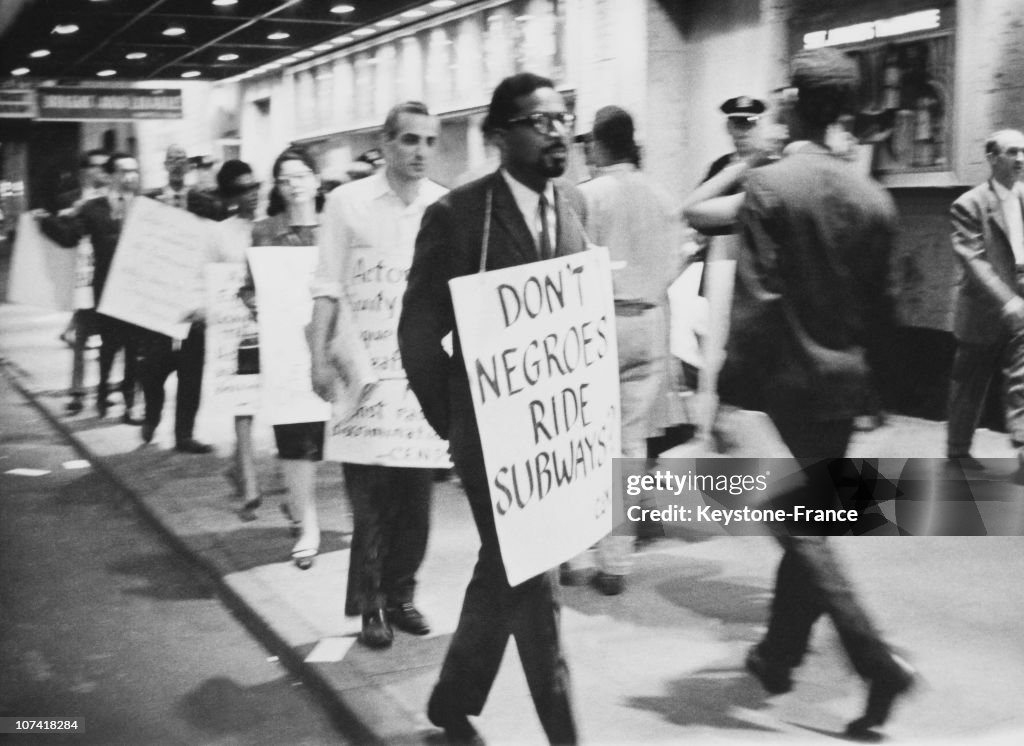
{"x": 987, "y": 277}
{"x": 813, "y": 305}
{"x": 94, "y": 219}
{"x": 449, "y": 245}
{"x": 198, "y": 202}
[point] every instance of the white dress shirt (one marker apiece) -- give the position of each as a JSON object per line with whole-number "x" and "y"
{"x": 528, "y": 202}
{"x": 367, "y": 214}
{"x": 1011, "y": 203}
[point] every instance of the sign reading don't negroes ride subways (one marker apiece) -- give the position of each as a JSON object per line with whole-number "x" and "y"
{"x": 540, "y": 351}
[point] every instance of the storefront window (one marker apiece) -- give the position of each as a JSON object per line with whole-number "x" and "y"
{"x": 905, "y": 108}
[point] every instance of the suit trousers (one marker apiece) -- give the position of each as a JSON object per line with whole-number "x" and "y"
{"x": 116, "y": 335}
{"x": 810, "y": 580}
{"x": 492, "y": 610}
{"x": 157, "y": 360}
{"x": 391, "y": 523}
{"x": 973, "y": 368}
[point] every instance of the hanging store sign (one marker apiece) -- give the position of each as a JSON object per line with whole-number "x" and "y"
{"x": 109, "y": 103}
{"x": 925, "y": 20}
{"x": 17, "y": 103}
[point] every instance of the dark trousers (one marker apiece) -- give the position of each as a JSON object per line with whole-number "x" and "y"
{"x": 116, "y": 335}
{"x": 492, "y": 611}
{"x": 391, "y": 522}
{"x": 83, "y": 324}
{"x": 810, "y": 580}
{"x": 973, "y": 368}
{"x": 157, "y": 360}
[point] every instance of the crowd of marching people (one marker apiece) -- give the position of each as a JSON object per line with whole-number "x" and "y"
{"x": 807, "y": 325}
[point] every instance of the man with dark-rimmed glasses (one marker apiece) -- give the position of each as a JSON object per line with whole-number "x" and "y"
{"x": 530, "y": 219}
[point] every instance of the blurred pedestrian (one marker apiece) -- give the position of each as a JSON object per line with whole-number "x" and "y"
{"x": 812, "y": 314}
{"x": 391, "y": 505}
{"x": 159, "y": 354}
{"x": 101, "y": 219}
{"x": 239, "y": 192}
{"x": 532, "y": 220}
{"x": 627, "y": 213}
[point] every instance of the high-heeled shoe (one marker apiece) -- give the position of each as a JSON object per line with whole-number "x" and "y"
{"x": 294, "y": 526}
{"x": 248, "y": 510}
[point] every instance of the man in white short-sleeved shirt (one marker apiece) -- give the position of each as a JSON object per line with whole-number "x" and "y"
{"x": 390, "y": 505}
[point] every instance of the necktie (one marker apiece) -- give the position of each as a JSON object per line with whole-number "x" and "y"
{"x": 545, "y": 236}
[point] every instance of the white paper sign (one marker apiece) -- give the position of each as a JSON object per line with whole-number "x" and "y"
{"x": 283, "y": 275}
{"x": 540, "y": 351}
{"x": 85, "y": 264}
{"x": 42, "y": 272}
{"x": 388, "y": 428}
{"x": 156, "y": 277}
{"x": 228, "y": 326}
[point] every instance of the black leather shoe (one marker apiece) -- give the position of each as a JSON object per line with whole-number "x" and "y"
{"x": 456, "y": 724}
{"x": 74, "y": 406}
{"x": 610, "y": 585}
{"x": 408, "y": 619}
{"x": 774, "y": 678}
{"x": 102, "y": 405}
{"x": 147, "y": 432}
{"x": 127, "y": 419}
{"x": 191, "y": 445}
{"x": 882, "y": 693}
{"x": 376, "y": 630}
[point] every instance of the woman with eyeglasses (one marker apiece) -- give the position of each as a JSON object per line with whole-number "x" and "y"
{"x": 295, "y": 201}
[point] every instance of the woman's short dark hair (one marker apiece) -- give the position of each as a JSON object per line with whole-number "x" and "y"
{"x": 275, "y": 202}
{"x": 228, "y": 174}
{"x": 503, "y": 102}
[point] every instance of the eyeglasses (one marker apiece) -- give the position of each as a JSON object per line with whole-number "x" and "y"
{"x": 544, "y": 121}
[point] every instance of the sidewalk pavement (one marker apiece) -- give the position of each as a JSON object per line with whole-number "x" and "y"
{"x": 661, "y": 663}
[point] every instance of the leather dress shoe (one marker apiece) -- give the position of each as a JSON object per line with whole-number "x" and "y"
{"x": 127, "y": 419}
{"x": 147, "y": 432}
{"x": 74, "y": 406}
{"x": 376, "y": 630}
{"x": 774, "y": 678}
{"x": 191, "y": 445}
{"x": 572, "y": 576}
{"x": 456, "y": 724}
{"x": 408, "y": 619}
{"x": 882, "y": 693}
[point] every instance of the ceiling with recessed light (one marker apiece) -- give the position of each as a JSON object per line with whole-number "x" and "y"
{"x": 138, "y": 40}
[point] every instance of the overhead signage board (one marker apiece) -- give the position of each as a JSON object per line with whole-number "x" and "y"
{"x": 17, "y": 103}
{"x": 72, "y": 103}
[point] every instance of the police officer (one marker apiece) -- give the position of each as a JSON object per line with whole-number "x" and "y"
{"x": 742, "y": 115}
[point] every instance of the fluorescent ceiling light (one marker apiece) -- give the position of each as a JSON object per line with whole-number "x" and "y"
{"x": 65, "y": 28}
{"x": 190, "y": 74}
{"x": 278, "y": 35}
{"x": 174, "y": 31}
{"x": 20, "y": 71}
{"x": 343, "y": 9}
{"x": 39, "y": 53}
{"x": 228, "y": 57}
{"x": 135, "y": 56}
{"x": 106, "y": 73}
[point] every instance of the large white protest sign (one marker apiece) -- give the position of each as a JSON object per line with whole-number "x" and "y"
{"x": 540, "y": 351}
{"x": 282, "y": 275}
{"x": 228, "y": 378}
{"x": 156, "y": 278}
{"x": 42, "y": 272}
{"x": 388, "y": 428}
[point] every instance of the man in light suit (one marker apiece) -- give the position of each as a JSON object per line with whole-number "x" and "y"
{"x": 988, "y": 238}
{"x": 530, "y": 218}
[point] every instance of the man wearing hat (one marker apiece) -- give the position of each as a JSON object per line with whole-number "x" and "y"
{"x": 742, "y": 114}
